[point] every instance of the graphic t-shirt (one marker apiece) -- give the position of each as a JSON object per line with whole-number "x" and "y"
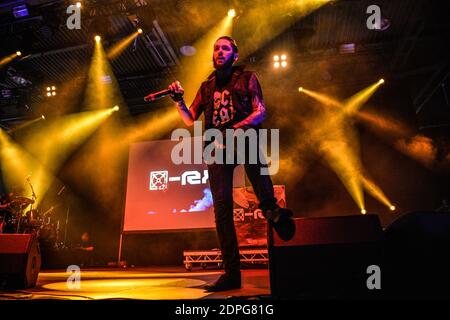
{"x": 223, "y": 108}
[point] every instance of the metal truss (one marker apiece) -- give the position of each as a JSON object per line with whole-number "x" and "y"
{"x": 210, "y": 257}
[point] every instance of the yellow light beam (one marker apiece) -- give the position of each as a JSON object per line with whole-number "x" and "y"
{"x": 198, "y": 67}
{"x": 52, "y": 142}
{"x": 158, "y": 124}
{"x": 375, "y": 191}
{"x": 355, "y": 102}
{"x": 267, "y": 19}
{"x": 341, "y": 156}
{"x": 102, "y": 90}
{"x": 120, "y": 46}
{"x": 322, "y": 98}
{"x": 9, "y": 58}
{"x": 17, "y": 164}
{"x": 26, "y": 124}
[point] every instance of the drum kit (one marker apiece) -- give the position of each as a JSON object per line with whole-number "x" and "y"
{"x": 17, "y": 215}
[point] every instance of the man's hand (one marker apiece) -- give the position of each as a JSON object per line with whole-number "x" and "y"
{"x": 177, "y": 91}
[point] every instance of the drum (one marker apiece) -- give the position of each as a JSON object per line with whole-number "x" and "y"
{"x": 34, "y": 218}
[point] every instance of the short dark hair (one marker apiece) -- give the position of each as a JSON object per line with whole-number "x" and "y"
{"x": 232, "y": 41}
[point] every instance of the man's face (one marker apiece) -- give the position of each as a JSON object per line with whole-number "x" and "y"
{"x": 223, "y": 55}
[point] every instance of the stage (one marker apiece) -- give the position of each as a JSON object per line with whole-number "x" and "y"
{"x": 157, "y": 283}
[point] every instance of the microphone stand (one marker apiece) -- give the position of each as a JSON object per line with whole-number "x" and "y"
{"x": 60, "y": 193}
{"x": 33, "y": 197}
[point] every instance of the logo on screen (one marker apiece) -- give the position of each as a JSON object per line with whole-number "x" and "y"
{"x": 159, "y": 180}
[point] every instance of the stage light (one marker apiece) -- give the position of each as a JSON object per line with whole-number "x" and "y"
{"x": 21, "y": 11}
{"x": 363, "y": 211}
{"x": 188, "y": 50}
{"x": 232, "y": 13}
{"x": 116, "y": 108}
{"x": 42, "y": 117}
{"x": 300, "y": 89}
{"x": 140, "y": 31}
{"x": 97, "y": 38}
{"x": 78, "y": 4}
{"x": 392, "y": 208}
{"x": 381, "y": 81}
{"x": 277, "y": 60}
{"x": 347, "y": 48}
{"x": 18, "y": 53}
{"x": 51, "y": 91}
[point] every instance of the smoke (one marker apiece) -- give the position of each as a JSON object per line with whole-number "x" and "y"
{"x": 203, "y": 204}
{"x": 420, "y": 148}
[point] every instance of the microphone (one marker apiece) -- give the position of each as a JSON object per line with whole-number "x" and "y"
{"x": 157, "y": 95}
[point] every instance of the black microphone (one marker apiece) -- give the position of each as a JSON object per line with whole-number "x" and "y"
{"x": 157, "y": 95}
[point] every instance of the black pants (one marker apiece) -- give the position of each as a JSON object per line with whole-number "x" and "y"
{"x": 221, "y": 182}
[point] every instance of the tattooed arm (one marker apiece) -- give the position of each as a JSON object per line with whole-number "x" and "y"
{"x": 259, "y": 108}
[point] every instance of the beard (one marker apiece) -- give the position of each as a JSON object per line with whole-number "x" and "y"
{"x": 226, "y": 65}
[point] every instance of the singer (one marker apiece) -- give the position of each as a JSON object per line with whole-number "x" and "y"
{"x": 231, "y": 98}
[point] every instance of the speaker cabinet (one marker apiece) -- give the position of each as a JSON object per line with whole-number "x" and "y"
{"x": 20, "y": 260}
{"x": 326, "y": 257}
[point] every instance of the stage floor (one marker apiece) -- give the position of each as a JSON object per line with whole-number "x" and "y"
{"x": 140, "y": 283}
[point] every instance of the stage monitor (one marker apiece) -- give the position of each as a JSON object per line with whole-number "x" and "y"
{"x": 164, "y": 196}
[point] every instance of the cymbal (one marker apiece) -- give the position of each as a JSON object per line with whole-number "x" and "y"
{"x": 22, "y": 200}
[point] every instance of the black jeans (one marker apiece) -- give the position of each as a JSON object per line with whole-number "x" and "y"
{"x": 221, "y": 182}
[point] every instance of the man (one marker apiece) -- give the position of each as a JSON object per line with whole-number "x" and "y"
{"x": 231, "y": 98}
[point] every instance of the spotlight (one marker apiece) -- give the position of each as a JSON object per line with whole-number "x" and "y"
{"x": 78, "y": 4}
{"x": 140, "y": 31}
{"x": 381, "y": 81}
{"x": 97, "y": 38}
{"x": 232, "y": 13}
{"x": 18, "y": 53}
{"x": 116, "y": 108}
{"x": 51, "y": 91}
{"x": 42, "y": 117}
{"x": 363, "y": 211}
{"x": 277, "y": 60}
{"x": 300, "y": 89}
{"x": 392, "y": 208}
